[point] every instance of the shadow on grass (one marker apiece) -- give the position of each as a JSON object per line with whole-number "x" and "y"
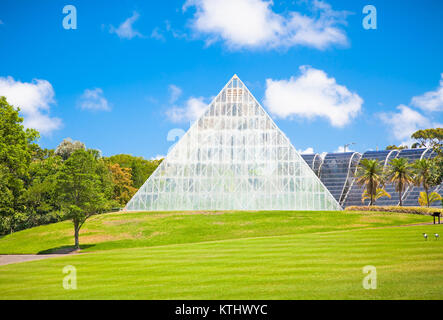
{"x": 64, "y": 249}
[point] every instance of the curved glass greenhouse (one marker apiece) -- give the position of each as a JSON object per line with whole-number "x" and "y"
{"x": 337, "y": 172}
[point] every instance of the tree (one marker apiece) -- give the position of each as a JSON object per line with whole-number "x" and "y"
{"x": 424, "y": 175}
{"x": 141, "y": 169}
{"x": 426, "y": 199}
{"x": 81, "y": 190}
{"x": 394, "y": 147}
{"x": 122, "y": 183}
{"x": 400, "y": 174}
{"x": 378, "y": 194}
{"x": 430, "y": 138}
{"x": 6, "y": 201}
{"x": 16, "y": 145}
{"x": 40, "y": 197}
{"x": 40, "y": 154}
{"x": 370, "y": 175}
{"x": 67, "y": 147}
{"x": 433, "y": 138}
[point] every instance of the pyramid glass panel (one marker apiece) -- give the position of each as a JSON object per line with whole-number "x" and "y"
{"x": 233, "y": 157}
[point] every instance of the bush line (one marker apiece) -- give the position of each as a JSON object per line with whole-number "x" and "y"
{"x": 412, "y": 210}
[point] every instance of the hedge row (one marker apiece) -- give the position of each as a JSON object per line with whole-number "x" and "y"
{"x": 413, "y": 210}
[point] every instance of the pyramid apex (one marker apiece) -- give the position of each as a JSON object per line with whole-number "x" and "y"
{"x": 235, "y": 76}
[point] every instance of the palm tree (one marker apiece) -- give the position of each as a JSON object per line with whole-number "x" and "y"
{"x": 423, "y": 175}
{"x": 370, "y": 175}
{"x": 380, "y": 193}
{"x": 400, "y": 174}
{"x": 427, "y": 199}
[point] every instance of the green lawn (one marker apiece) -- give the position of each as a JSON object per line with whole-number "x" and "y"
{"x": 241, "y": 255}
{"x": 130, "y": 230}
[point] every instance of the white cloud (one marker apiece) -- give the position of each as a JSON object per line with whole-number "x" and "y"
{"x": 308, "y": 150}
{"x": 125, "y": 30}
{"x": 432, "y": 100}
{"x": 157, "y": 34}
{"x": 93, "y": 99}
{"x": 158, "y": 157}
{"x": 192, "y": 110}
{"x": 175, "y": 33}
{"x": 341, "y": 149}
{"x": 404, "y": 123}
{"x": 312, "y": 95}
{"x": 253, "y": 24}
{"x": 34, "y": 100}
{"x": 175, "y": 92}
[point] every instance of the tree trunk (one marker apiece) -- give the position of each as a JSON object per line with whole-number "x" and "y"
{"x": 427, "y": 196}
{"x": 76, "y": 231}
{"x": 400, "y": 192}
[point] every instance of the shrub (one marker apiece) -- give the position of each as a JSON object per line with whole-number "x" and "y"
{"x": 412, "y": 210}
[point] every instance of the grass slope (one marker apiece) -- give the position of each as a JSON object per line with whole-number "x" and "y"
{"x": 129, "y": 230}
{"x": 308, "y": 266}
{"x": 244, "y": 255}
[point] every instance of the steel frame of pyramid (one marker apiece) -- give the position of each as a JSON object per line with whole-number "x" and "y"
{"x": 234, "y": 157}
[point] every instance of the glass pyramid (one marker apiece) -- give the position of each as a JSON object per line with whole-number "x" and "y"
{"x": 233, "y": 157}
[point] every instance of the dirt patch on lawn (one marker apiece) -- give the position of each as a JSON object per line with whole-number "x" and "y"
{"x": 96, "y": 238}
{"x": 17, "y": 258}
{"x": 62, "y": 232}
{"x": 154, "y": 215}
{"x": 120, "y": 222}
{"x": 162, "y": 215}
{"x": 155, "y": 234}
{"x": 356, "y": 225}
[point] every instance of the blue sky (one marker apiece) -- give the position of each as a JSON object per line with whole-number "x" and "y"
{"x": 133, "y": 71}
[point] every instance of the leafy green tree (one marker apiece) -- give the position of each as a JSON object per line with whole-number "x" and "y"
{"x": 394, "y": 147}
{"x": 40, "y": 198}
{"x": 370, "y": 175}
{"x": 16, "y": 147}
{"x": 105, "y": 177}
{"x": 431, "y": 138}
{"x": 400, "y": 174}
{"x": 40, "y": 154}
{"x": 6, "y": 201}
{"x": 81, "y": 189}
{"x": 424, "y": 175}
{"x": 137, "y": 174}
